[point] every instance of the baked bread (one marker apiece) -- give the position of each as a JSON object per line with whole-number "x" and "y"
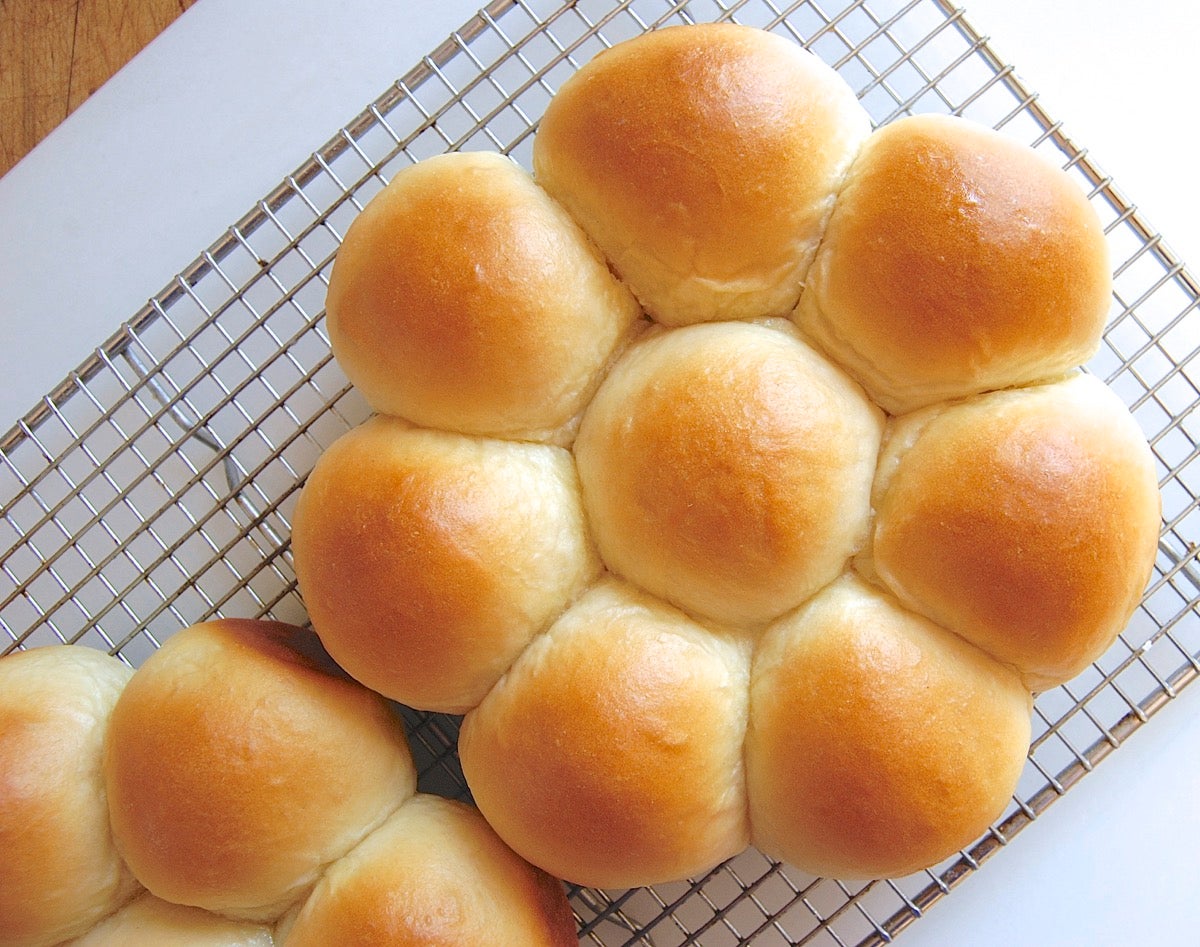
{"x": 897, "y": 608}
{"x": 428, "y": 560}
{"x": 151, "y": 922}
{"x": 239, "y": 762}
{"x": 1025, "y": 520}
{"x": 703, "y": 160}
{"x": 464, "y": 298}
{"x": 878, "y": 742}
{"x": 957, "y": 260}
{"x": 434, "y": 873}
{"x": 61, "y": 871}
{"x": 727, "y": 468}
{"x": 611, "y": 753}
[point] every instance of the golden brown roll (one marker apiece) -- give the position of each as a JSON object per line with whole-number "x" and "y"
{"x": 1027, "y": 521}
{"x": 428, "y": 560}
{"x": 434, "y": 874}
{"x": 239, "y": 762}
{"x": 704, "y": 161}
{"x": 464, "y": 298}
{"x": 727, "y": 468}
{"x": 61, "y": 872}
{"x": 956, "y": 261}
{"x": 878, "y": 744}
{"x": 611, "y": 753}
{"x": 151, "y": 922}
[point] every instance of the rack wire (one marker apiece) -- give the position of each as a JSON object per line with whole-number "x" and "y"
{"x": 154, "y": 487}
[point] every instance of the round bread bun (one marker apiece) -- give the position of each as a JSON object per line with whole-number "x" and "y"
{"x": 60, "y": 870}
{"x": 464, "y": 298}
{"x": 1026, "y": 520}
{"x": 727, "y": 468}
{"x": 878, "y": 743}
{"x": 956, "y": 261}
{"x": 611, "y": 753}
{"x": 239, "y": 763}
{"x": 434, "y": 874}
{"x": 703, "y": 160}
{"x": 428, "y": 560}
{"x": 151, "y": 922}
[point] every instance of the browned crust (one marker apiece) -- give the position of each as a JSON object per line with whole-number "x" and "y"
{"x": 237, "y": 767}
{"x": 611, "y": 754}
{"x": 956, "y": 260}
{"x": 1027, "y": 521}
{"x": 703, "y": 161}
{"x": 428, "y": 560}
{"x": 879, "y": 744}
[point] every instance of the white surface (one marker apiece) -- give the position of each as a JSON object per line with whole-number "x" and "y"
{"x": 184, "y": 140}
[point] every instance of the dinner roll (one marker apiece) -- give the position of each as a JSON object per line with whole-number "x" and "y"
{"x": 59, "y": 870}
{"x": 434, "y": 874}
{"x": 879, "y": 743}
{"x": 239, "y": 762}
{"x": 464, "y": 298}
{"x": 152, "y": 922}
{"x": 727, "y": 468}
{"x": 611, "y": 753}
{"x": 704, "y": 161}
{"x": 1025, "y": 520}
{"x": 957, "y": 260}
{"x": 428, "y": 560}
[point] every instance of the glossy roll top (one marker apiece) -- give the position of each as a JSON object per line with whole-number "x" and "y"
{"x": 239, "y": 762}
{"x": 957, "y": 260}
{"x": 703, "y": 161}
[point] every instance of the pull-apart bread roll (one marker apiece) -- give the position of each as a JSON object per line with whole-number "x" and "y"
{"x": 879, "y": 743}
{"x": 1027, "y": 521}
{"x": 433, "y": 874}
{"x": 464, "y": 298}
{"x": 703, "y": 160}
{"x": 59, "y": 869}
{"x": 956, "y": 261}
{"x": 428, "y": 560}
{"x": 152, "y": 922}
{"x": 240, "y": 762}
{"x": 727, "y": 468}
{"x": 611, "y": 753}
{"x": 844, "y": 451}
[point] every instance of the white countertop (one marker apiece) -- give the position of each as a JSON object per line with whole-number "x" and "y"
{"x": 233, "y": 96}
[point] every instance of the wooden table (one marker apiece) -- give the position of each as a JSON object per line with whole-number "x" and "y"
{"x": 56, "y": 53}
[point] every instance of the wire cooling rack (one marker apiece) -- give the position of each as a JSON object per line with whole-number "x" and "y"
{"x": 154, "y": 487}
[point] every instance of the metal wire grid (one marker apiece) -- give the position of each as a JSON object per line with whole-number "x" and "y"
{"x": 154, "y": 487}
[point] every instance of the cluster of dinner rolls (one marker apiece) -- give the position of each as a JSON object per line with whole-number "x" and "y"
{"x": 815, "y": 495}
{"x": 733, "y": 474}
{"x": 237, "y": 790}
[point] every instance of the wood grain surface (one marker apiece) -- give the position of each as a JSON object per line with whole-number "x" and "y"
{"x": 56, "y": 53}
